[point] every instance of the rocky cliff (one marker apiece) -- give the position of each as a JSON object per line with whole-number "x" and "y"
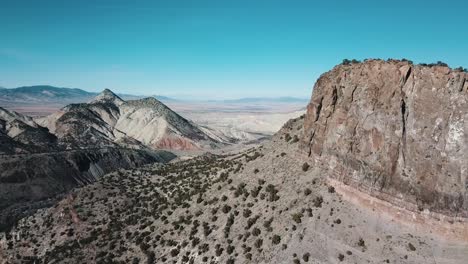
{"x": 394, "y": 130}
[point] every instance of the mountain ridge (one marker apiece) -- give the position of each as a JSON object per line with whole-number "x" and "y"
{"x": 108, "y": 118}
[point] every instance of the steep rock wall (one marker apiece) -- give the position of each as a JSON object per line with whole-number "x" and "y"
{"x": 394, "y": 130}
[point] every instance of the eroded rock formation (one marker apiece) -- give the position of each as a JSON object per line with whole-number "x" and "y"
{"x": 394, "y": 130}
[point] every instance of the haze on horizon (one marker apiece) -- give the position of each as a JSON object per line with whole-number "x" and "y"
{"x": 217, "y": 50}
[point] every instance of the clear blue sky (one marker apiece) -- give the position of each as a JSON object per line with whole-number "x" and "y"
{"x": 217, "y": 49}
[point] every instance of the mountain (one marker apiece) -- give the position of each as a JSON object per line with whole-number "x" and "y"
{"x": 49, "y": 156}
{"x": 313, "y": 193}
{"x": 43, "y": 95}
{"x": 36, "y": 165}
{"x": 20, "y": 134}
{"x": 109, "y": 120}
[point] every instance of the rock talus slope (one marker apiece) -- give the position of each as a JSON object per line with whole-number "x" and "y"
{"x": 394, "y": 130}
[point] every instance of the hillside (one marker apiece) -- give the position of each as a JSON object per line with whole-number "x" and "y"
{"x": 109, "y": 120}
{"x": 37, "y": 165}
{"x": 284, "y": 201}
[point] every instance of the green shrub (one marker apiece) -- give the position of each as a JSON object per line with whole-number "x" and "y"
{"x": 297, "y": 217}
{"x": 276, "y": 239}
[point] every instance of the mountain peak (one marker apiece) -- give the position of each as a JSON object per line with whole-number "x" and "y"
{"x": 147, "y": 102}
{"x": 107, "y": 96}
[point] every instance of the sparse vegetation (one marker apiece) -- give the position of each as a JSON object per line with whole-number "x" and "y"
{"x": 276, "y": 239}
{"x": 411, "y": 247}
{"x": 297, "y": 217}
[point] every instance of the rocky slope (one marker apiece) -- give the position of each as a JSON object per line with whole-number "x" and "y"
{"x": 82, "y": 142}
{"x": 20, "y": 134}
{"x": 36, "y": 165}
{"x": 259, "y": 206}
{"x": 394, "y": 130}
{"x": 109, "y": 120}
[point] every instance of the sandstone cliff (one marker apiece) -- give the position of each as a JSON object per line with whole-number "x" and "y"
{"x": 394, "y": 130}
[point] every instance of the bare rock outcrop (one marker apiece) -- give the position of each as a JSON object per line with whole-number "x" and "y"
{"x": 394, "y": 130}
{"x": 108, "y": 120}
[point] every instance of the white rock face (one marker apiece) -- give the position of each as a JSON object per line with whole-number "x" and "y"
{"x": 14, "y": 122}
{"x": 142, "y": 124}
{"x": 111, "y": 120}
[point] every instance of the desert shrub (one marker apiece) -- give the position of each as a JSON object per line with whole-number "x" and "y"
{"x": 229, "y": 223}
{"x": 295, "y": 139}
{"x": 255, "y": 191}
{"x": 341, "y": 257}
{"x": 218, "y": 250}
{"x": 226, "y": 209}
{"x": 256, "y": 231}
{"x": 406, "y": 60}
{"x": 276, "y": 239}
{"x": 361, "y": 242}
{"x": 230, "y": 249}
{"x": 307, "y": 191}
{"x": 251, "y": 221}
{"x": 174, "y": 252}
{"x": 246, "y": 213}
{"x": 318, "y": 201}
{"x": 258, "y": 243}
{"x": 305, "y": 166}
{"x": 273, "y": 193}
{"x": 267, "y": 224}
{"x": 297, "y": 217}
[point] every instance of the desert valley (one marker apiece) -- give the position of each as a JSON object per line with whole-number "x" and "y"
{"x": 374, "y": 171}
{"x": 233, "y": 132}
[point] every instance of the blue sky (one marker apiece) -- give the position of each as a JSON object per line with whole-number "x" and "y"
{"x": 217, "y": 49}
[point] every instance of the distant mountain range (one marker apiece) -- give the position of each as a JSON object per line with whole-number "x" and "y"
{"x": 57, "y": 95}
{"x": 38, "y": 94}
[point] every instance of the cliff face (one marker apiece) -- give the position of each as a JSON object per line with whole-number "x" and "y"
{"x": 394, "y": 130}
